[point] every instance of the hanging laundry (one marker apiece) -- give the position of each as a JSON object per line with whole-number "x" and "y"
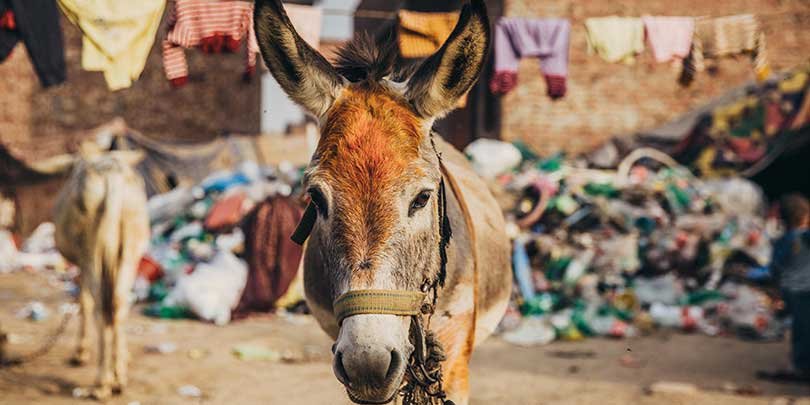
{"x": 423, "y": 33}
{"x": 214, "y": 27}
{"x": 726, "y": 36}
{"x": 116, "y": 36}
{"x": 36, "y": 24}
{"x": 615, "y": 39}
{"x": 670, "y": 38}
{"x": 545, "y": 38}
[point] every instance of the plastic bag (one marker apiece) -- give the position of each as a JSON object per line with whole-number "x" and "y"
{"x": 491, "y": 158}
{"x": 213, "y": 289}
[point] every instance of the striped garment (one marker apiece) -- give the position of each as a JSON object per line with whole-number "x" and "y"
{"x": 212, "y": 25}
{"x": 724, "y": 36}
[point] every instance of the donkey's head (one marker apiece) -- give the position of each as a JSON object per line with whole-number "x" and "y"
{"x": 375, "y": 175}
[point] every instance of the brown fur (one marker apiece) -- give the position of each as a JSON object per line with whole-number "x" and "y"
{"x": 375, "y": 155}
{"x": 369, "y": 140}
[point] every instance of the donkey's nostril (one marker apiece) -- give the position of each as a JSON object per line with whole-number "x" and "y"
{"x": 340, "y": 371}
{"x": 393, "y": 368}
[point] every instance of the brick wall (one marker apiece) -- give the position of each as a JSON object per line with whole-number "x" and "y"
{"x": 612, "y": 99}
{"x": 38, "y": 122}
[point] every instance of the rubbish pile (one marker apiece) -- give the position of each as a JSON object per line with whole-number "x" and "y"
{"x": 745, "y": 136}
{"x": 38, "y": 252}
{"x": 194, "y": 265}
{"x": 619, "y": 252}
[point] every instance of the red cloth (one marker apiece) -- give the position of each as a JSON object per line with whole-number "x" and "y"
{"x": 7, "y": 21}
{"x": 226, "y": 213}
{"x": 149, "y": 269}
{"x": 503, "y": 82}
{"x": 272, "y": 257}
{"x": 555, "y": 86}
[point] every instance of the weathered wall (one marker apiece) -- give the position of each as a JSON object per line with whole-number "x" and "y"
{"x": 36, "y": 122}
{"x": 612, "y": 99}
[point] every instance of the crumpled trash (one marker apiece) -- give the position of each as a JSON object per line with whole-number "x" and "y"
{"x": 163, "y": 207}
{"x": 672, "y": 387}
{"x": 161, "y": 348}
{"x": 491, "y": 157}
{"x": 213, "y": 289}
{"x": 41, "y": 240}
{"x": 737, "y": 196}
{"x": 255, "y": 352}
{"x": 190, "y": 391}
{"x": 666, "y": 289}
{"x": 532, "y": 331}
{"x": 34, "y": 311}
{"x": 750, "y": 314}
{"x": 226, "y": 213}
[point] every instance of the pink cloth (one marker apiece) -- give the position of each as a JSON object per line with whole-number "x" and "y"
{"x": 670, "y": 37}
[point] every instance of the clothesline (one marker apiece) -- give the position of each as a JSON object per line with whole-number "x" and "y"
{"x": 386, "y": 15}
{"x": 218, "y": 26}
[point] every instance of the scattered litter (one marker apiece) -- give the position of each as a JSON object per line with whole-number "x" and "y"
{"x": 80, "y": 393}
{"x": 34, "y": 311}
{"x": 746, "y": 390}
{"x": 254, "y": 352}
{"x": 629, "y": 361}
{"x": 672, "y": 387}
{"x": 571, "y": 354}
{"x": 491, "y": 157}
{"x": 190, "y": 391}
{"x": 533, "y": 331}
{"x": 161, "y": 348}
{"x": 197, "y": 354}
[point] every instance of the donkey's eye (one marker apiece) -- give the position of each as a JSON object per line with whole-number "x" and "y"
{"x": 419, "y": 202}
{"x": 320, "y": 201}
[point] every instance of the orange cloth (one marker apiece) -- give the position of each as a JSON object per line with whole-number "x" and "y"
{"x": 421, "y": 34}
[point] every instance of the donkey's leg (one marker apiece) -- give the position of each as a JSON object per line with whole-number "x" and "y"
{"x": 121, "y": 354}
{"x": 82, "y": 353}
{"x": 457, "y": 338}
{"x": 104, "y": 381}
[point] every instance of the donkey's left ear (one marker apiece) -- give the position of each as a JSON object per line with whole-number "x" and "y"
{"x": 443, "y": 78}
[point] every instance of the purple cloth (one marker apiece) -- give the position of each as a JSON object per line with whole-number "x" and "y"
{"x": 543, "y": 38}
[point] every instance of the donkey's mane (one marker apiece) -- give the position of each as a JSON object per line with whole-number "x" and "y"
{"x": 366, "y": 59}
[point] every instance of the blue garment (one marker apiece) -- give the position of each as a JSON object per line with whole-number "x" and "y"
{"x": 791, "y": 261}
{"x": 798, "y": 304}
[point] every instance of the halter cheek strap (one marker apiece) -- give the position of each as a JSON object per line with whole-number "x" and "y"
{"x": 304, "y": 227}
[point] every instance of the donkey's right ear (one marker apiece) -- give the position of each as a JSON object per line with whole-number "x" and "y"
{"x": 307, "y": 77}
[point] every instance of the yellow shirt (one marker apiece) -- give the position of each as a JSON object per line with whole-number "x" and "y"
{"x": 615, "y": 39}
{"x": 117, "y": 35}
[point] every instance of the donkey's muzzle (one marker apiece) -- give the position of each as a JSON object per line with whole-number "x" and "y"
{"x": 371, "y": 354}
{"x": 373, "y": 348}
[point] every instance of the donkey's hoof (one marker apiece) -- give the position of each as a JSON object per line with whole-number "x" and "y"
{"x": 118, "y": 388}
{"x": 78, "y": 360}
{"x": 101, "y": 393}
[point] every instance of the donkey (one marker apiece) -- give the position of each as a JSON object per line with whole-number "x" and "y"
{"x": 102, "y": 226}
{"x": 379, "y": 253}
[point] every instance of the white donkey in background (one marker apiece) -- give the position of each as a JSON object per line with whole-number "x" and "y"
{"x": 102, "y": 225}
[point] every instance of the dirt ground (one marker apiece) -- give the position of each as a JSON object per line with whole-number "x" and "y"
{"x": 596, "y": 371}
